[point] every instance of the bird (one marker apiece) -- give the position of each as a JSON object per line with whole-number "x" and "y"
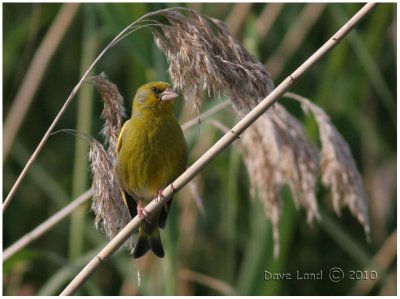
{"x": 151, "y": 153}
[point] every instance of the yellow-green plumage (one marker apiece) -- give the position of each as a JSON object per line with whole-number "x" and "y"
{"x": 151, "y": 153}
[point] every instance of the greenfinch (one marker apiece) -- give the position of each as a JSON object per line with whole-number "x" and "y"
{"x": 151, "y": 153}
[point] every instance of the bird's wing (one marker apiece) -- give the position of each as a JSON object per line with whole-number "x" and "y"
{"x": 119, "y": 142}
{"x": 130, "y": 203}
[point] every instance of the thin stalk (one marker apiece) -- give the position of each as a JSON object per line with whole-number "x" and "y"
{"x": 45, "y": 226}
{"x": 216, "y": 149}
{"x": 206, "y": 114}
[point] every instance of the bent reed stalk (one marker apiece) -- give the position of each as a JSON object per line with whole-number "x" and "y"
{"x": 68, "y": 209}
{"x": 128, "y": 30}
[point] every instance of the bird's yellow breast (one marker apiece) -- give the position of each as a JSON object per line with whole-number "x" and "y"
{"x": 153, "y": 152}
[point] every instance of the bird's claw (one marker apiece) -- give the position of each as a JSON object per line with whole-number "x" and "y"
{"x": 159, "y": 197}
{"x": 142, "y": 213}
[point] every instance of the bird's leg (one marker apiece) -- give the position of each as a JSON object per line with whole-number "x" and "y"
{"x": 159, "y": 197}
{"x": 142, "y": 213}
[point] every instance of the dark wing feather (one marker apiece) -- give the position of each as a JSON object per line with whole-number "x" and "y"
{"x": 130, "y": 202}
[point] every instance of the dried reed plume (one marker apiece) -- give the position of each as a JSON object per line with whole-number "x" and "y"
{"x": 277, "y": 152}
{"x": 113, "y": 112}
{"x": 108, "y": 206}
{"x": 203, "y": 57}
{"x": 338, "y": 168}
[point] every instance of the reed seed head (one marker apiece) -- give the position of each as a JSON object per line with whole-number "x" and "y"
{"x": 205, "y": 59}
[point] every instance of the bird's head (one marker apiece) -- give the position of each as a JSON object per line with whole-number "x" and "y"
{"x": 154, "y": 97}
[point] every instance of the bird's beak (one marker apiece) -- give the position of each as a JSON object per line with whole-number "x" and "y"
{"x": 168, "y": 94}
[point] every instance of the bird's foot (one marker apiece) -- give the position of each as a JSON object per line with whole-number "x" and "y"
{"x": 142, "y": 213}
{"x": 159, "y": 197}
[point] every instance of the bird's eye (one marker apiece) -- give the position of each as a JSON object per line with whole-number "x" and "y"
{"x": 155, "y": 89}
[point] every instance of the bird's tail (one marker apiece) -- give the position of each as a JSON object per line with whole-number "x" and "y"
{"x": 148, "y": 241}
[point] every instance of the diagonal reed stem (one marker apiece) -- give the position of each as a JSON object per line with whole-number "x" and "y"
{"x": 217, "y": 148}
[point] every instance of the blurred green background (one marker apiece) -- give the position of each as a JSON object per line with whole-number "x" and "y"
{"x": 228, "y": 248}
